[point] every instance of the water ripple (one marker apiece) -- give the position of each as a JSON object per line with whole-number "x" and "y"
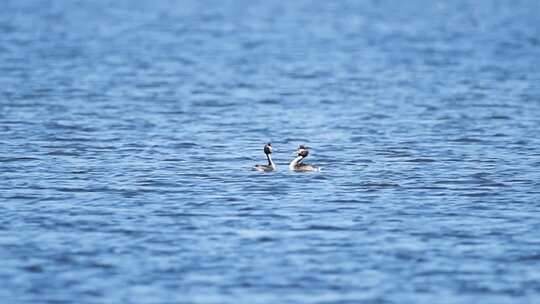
{"x": 128, "y": 130}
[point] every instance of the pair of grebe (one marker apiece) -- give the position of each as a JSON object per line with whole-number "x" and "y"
{"x": 295, "y": 165}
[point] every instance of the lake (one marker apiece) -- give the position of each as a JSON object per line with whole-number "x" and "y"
{"x": 128, "y": 130}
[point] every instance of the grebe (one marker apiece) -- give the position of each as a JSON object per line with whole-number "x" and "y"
{"x": 296, "y": 164}
{"x": 271, "y": 166}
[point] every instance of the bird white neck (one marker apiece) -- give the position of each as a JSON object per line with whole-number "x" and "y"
{"x": 270, "y": 162}
{"x": 295, "y": 162}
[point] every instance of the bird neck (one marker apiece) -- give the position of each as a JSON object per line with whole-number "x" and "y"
{"x": 270, "y": 162}
{"x": 295, "y": 162}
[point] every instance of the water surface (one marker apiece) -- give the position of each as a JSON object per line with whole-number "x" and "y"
{"x": 128, "y": 129}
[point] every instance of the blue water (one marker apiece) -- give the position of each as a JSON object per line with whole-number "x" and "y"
{"x": 128, "y": 129}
